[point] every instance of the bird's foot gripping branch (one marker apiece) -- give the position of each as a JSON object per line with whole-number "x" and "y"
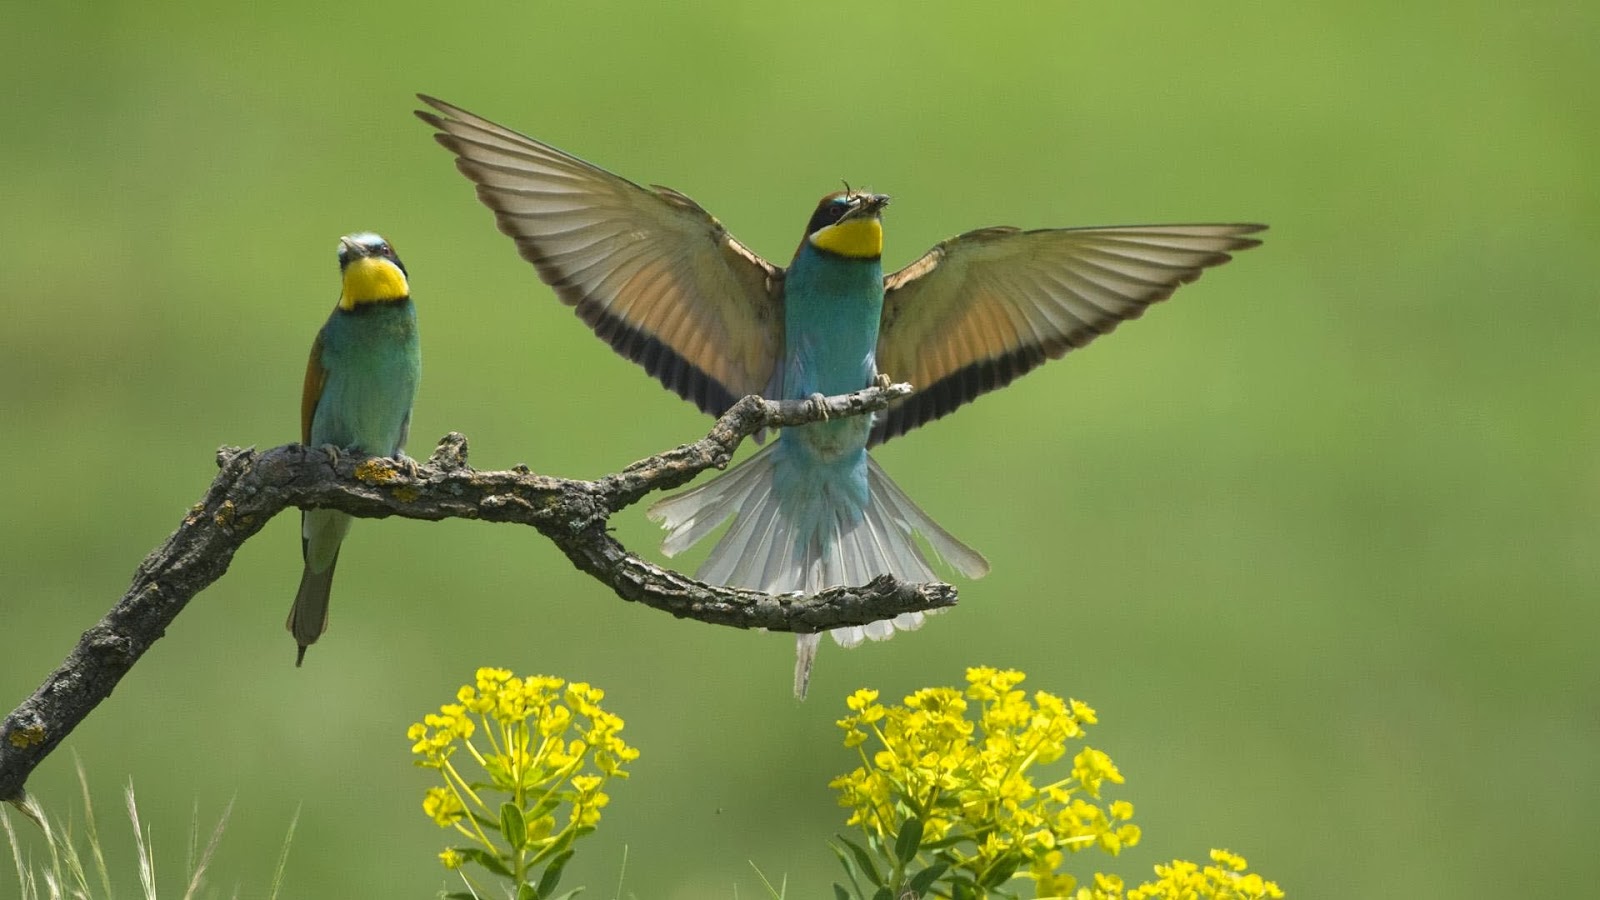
{"x": 253, "y": 486}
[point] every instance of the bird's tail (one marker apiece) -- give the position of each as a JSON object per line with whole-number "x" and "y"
{"x": 768, "y": 548}
{"x": 321, "y": 532}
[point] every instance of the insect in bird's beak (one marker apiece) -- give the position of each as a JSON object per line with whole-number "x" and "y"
{"x": 865, "y": 204}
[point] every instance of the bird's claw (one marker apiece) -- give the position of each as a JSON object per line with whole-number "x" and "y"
{"x": 407, "y": 465}
{"x": 334, "y": 453}
{"x": 883, "y": 380}
{"x": 819, "y": 402}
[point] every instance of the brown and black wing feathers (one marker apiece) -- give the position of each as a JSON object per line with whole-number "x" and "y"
{"x": 656, "y": 276}
{"x": 983, "y": 308}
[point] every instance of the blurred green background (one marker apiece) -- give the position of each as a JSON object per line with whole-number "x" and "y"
{"x": 1317, "y": 538}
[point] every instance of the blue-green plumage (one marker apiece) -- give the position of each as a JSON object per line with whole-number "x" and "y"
{"x": 372, "y": 359}
{"x": 360, "y": 382}
{"x": 831, "y": 311}
{"x": 832, "y": 305}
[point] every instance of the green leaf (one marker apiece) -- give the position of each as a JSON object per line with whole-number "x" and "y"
{"x": 513, "y": 826}
{"x": 905, "y": 845}
{"x": 839, "y": 893}
{"x": 552, "y": 875}
{"x": 1001, "y": 872}
{"x": 849, "y": 866}
{"x": 883, "y": 893}
{"x": 486, "y": 859}
{"x": 864, "y": 860}
{"x": 569, "y": 894}
{"x": 526, "y": 891}
{"x": 923, "y": 880}
{"x": 963, "y": 886}
{"x": 459, "y": 895}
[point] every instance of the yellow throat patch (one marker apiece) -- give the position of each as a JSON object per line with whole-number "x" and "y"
{"x": 858, "y": 238}
{"x": 372, "y": 279}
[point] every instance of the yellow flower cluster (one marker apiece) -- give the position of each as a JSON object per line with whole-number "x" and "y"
{"x": 962, "y": 764}
{"x": 541, "y": 742}
{"x": 1184, "y": 880}
{"x": 1227, "y": 880}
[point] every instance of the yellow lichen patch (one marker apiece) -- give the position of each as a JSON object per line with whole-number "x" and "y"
{"x": 406, "y": 494}
{"x": 29, "y": 736}
{"x": 376, "y": 471}
{"x": 224, "y": 514}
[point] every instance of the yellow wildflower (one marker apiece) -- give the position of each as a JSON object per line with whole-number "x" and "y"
{"x": 1184, "y": 880}
{"x": 520, "y": 732}
{"x": 1092, "y": 768}
{"x": 963, "y": 763}
{"x": 1231, "y": 860}
{"x": 443, "y": 806}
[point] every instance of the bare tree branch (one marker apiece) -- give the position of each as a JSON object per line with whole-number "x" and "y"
{"x": 252, "y": 487}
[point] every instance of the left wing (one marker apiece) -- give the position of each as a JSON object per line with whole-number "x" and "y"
{"x": 982, "y": 308}
{"x": 311, "y": 393}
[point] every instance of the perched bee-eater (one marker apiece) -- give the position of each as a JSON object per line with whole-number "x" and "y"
{"x": 667, "y": 286}
{"x": 360, "y": 381}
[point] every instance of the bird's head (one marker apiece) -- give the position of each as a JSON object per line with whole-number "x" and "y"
{"x": 372, "y": 272}
{"x": 848, "y": 223}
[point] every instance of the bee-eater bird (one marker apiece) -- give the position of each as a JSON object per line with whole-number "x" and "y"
{"x": 360, "y": 382}
{"x": 665, "y": 284}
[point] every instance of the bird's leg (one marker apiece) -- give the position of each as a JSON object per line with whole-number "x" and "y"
{"x": 334, "y": 453}
{"x": 883, "y": 380}
{"x": 819, "y": 402}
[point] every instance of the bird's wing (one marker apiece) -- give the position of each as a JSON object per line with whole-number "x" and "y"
{"x": 316, "y": 377}
{"x": 652, "y": 273}
{"x": 984, "y": 307}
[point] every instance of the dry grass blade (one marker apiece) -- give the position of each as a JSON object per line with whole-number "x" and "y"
{"x": 198, "y": 867}
{"x": 283, "y": 857}
{"x": 141, "y": 839}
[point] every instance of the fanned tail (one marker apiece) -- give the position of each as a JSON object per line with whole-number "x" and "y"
{"x": 768, "y": 548}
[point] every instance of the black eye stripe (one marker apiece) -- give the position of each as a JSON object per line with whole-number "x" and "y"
{"x": 828, "y": 213}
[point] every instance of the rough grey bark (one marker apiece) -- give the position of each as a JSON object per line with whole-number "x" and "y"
{"x": 253, "y": 486}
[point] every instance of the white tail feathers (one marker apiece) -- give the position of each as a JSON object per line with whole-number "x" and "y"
{"x": 761, "y": 550}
